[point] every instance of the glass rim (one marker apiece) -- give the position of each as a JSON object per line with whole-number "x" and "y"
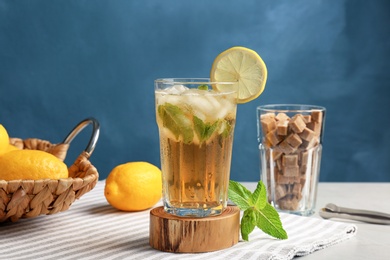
{"x": 290, "y": 108}
{"x": 187, "y": 81}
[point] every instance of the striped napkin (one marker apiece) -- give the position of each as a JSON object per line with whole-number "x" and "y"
{"x": 92, "y": 229}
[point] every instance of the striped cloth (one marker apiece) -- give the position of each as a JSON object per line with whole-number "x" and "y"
{"x": 92, "y": 229}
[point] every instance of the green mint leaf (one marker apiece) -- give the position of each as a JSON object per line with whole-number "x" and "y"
{"x": 248, "y": 223}
{"x": 224, "y": 130}
{"x": 209, "y": 130}
{"x": 259, "y": 196}
{"x": 204, "y": 130}
{"x": 203, "y": 87}
{"x": 268, "y": 221}
{"x": 227, "y": 128}
{"x": 199, "y": 127}
{"x": 239, "y": 195}
{"x": 176, "y": 121}
{"x": 257, "y": 211}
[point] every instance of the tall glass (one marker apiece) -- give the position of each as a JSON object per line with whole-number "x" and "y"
{"x": 290, "y": 143}
{"x": 196, "y": 120}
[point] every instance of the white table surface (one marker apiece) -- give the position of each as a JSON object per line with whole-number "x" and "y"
{"x": 371, "y": 241}
{"x": 31, "y": 239}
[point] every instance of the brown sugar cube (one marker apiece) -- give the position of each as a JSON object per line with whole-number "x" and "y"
{"x": 268, "y": 172}
{"x": 315, "y": 127}
{"x": 294, "y": 140}
{"x": 296, "y": 190}
{"x": 285, "y": 179}
{"x": 289, "y": 180}
{"x": 286, "y": 148}
{"x": 303, "y": 169}
{"x": 276, "y": 155}
{"x": 291, "y": 171}
{"x": 282, "y": 127}
{"x": 310, "y": 144}
{"x": 288, "y": 203}
{"x": 298, "y": 196}
{"x": 307, "y": 134}
{"x": 302, "y": 180}
{"x": 300, "y": 115}
{"x": 279, "y": 164}
{"x": 297, "y": 123}
{"x": 277, "y": 176}
{"x": 267, "y": 144}
{"x": 280, "y": 191}
{"x": 273, "y": 138}
{"x": 265, "y": 153}
{"x": 289, "y": 188}
{"x": 267, "y": 115}
{"x": 303, "y": 156}
{"x": 282, "y": 117}
{"x": 268, "y": 124}
{"x": 316, "y": 116}
{"x": 290, "y": 160}
{"x": 276, "y": 171}
{"x": 307, "y": 118}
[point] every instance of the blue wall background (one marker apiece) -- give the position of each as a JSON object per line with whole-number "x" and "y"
{"x": 63, "y": 61}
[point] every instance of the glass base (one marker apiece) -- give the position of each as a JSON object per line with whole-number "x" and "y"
{"x": 305, "y": 213}
{"x": 194, "y": 212}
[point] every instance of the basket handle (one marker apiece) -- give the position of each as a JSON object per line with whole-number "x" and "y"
{"x": 94, "y": 137}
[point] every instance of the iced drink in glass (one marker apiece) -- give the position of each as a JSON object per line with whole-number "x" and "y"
{"x": 196, "y": 125}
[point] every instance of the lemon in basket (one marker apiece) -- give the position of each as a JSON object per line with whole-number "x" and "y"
{"x": 31, "y": 165}
{"x": 10, "y": 148}
{"x": 133, "y": 186}
{"x": 4, "y": 140}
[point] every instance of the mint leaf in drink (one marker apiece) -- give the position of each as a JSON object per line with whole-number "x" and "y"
{"x": 257, "y": 211}
{"x": 176, "y": 121}
{"x": 204, "y": 130}
{"x": 203, "y": 87}
{"x": 226, "y": 127}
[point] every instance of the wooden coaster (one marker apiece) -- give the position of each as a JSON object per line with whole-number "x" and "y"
{"x": 171, "y": 233}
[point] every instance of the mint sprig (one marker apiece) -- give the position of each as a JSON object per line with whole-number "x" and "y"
{"x": 257, "y": 211}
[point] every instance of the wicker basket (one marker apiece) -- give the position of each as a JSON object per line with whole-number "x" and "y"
{"x": 31, "y": 198}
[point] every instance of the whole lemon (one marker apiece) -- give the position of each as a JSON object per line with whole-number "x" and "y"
{"x": 31, "y": 165}
{"x": 134, "y": 186}
{"x": 4, "y": 140}
{"x": 10, "y": 148}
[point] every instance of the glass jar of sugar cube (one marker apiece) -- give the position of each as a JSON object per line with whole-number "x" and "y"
{"x": 290, "y": 142}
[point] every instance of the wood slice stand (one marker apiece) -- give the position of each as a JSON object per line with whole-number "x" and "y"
{"x": 171, "y": 233}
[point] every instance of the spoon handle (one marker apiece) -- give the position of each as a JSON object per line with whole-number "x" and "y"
{"x": 365, "y": 213}
{"x": 326, "y": 215}
{"x": 369, "y": 216}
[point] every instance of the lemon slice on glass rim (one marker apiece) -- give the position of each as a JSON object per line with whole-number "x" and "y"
{"x": 241, "y": 65}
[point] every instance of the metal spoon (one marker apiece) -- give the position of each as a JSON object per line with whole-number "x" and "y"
{"x": 334, "y": 211}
